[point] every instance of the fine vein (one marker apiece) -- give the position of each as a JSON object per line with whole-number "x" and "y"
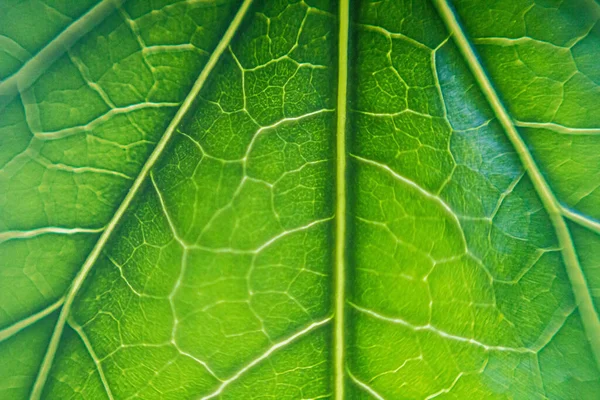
{"x": 340, "y": 273}
{"x": 87, "y": 266}
{"x": 590, "y": 319}
{"x": 36, "y": 65}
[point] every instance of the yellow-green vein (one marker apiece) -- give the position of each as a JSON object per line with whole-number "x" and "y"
{"x": 340, "y": 242}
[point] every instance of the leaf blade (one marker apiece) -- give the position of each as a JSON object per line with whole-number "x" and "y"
{"x": 591, "y": 320}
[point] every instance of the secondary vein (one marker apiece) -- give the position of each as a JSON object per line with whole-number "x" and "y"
{"x": 17, "y": 327}
{"x": 264, "y": 356}
{"x": 340, "y": 243}
{"x": 93, "y": 256}
{"x": 583, "y": 298}
{"x": 97, "y": 362}
{"x": 32, "y": 69}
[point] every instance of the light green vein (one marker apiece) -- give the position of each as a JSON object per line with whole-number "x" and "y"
{"x": 87, "y": 266}
{"x": 368, "y": 389}
{"x": 95, "y": 359}
{"x": 32, "y": 319}
{"x": 47, "y": 230}
{"x": 340, "y": 242}
{"x": 590, "y": 319}
{"x": 32, "y": 69}
{"x": 582, "y": 220}
{"x": 13, "y": 48}
{"x": 558, "y": 128}
{"x": 275, "y": 347}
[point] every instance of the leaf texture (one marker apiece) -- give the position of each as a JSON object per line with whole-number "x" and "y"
{"x": 308, "y": 199}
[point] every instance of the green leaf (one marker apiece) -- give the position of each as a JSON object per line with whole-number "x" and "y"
{"x": 299, "y": 199}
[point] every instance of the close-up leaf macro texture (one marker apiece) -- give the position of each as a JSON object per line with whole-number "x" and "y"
{"x": 299, "y": 199}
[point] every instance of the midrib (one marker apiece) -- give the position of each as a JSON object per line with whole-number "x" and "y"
{"x": 341, "y": 198}
{"x": 96, "y": 251}
{"x": 583, "y": 298}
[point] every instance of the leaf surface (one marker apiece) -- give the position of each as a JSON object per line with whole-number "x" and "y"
{"x": 300, "y": 199}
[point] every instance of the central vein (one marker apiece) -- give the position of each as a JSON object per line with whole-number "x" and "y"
{"x": 340, "y": 241}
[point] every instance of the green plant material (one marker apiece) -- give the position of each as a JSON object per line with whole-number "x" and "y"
{"x": 308, "y": 199}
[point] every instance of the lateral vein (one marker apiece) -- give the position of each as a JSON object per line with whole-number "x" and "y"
{"x": 582, "y": 220}
{"x": 430, "y": 328}
{"x": 87, "y": 266}
{"x": 365, "y": 387}
{"x": 56, "y": 230}
{"x": 32, "y": 319}
{"x": 583, "y": 298}
{"x": 88, "y": 345}
{"x": 340, "y": 214}
{"x": 558, "y": 128}
{"x": 264, "y": 356}
{"x": 32, "y": 69}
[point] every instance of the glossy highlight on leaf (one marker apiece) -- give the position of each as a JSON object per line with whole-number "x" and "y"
{"x": 299, "y": 199}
